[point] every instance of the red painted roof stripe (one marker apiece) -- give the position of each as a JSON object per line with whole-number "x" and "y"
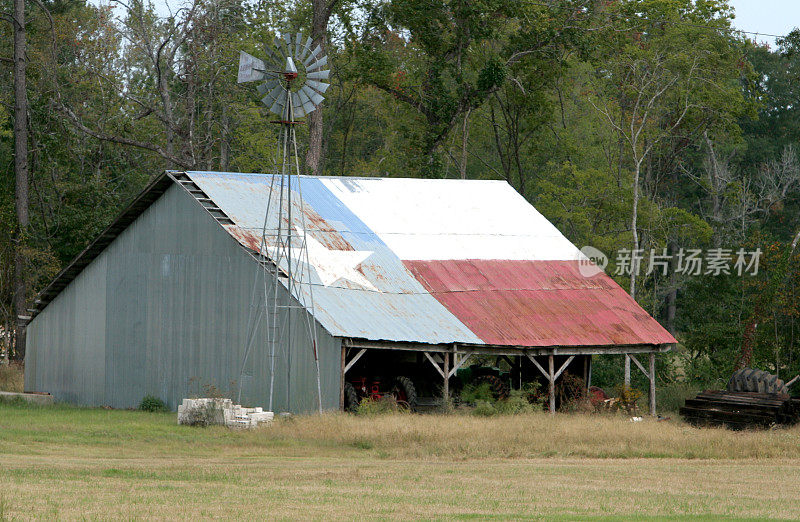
{"x": 538, "y": 303}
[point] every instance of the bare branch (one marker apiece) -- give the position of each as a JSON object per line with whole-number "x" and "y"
{"x": 401, "y": 96}
{"x": 122, "y": 140}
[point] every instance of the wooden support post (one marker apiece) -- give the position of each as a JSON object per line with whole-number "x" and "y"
{"x": 653, "y": 384}
{"x": 586, "y": 371}
{"x": 435, "y": 364}
{"x": 563, "y": 367}
{"x": 354, "y": 360}
{"x": 589, "y": 379}
{"x": 627, "y": 371}
{"x": 458, "y": 363}
{"x": 551, "y": 378}
{"x": 446, "y": 388}
{"x": 635, "y": 360}
{"x": 539, "y": 366}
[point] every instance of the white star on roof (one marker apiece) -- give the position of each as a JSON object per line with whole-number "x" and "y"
{"x": 333, "y": 265}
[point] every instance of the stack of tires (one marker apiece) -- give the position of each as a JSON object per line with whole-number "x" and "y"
{"x": 750, "y": 380}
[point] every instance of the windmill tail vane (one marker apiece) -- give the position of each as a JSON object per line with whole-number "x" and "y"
{"x": 292, "y": 81}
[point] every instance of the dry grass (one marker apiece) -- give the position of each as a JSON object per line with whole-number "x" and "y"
{"x": 535, "y": 435}
{"x": 90, "y": 463}
{"x": 11, "y": 377}
{"x": 262, "y": 486}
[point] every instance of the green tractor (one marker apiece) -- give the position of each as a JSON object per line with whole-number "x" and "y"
{"x": 498, "y": 379}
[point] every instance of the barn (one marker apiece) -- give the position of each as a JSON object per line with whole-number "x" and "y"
{"x": 412, "y": 274}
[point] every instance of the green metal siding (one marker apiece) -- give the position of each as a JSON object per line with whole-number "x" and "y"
{"x": 164, "y": 310}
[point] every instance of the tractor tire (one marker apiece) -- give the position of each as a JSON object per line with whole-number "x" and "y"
{"x": 405, "y": 392}
{"x": 750, "y": 380}
{"x": 350, "y": 398}
{"x": 496, "y": 385}
{"x": 742, "y": 379}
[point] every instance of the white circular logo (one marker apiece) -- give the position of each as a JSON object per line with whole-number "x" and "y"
{"x": 593, "y": 263}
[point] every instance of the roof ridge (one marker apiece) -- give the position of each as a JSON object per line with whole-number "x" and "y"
{"x": 377, "y": 178}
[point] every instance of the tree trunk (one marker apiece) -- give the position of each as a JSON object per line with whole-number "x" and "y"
{"x": 748, "y": 343}
{"x": 464, "y": 141}
{"x": 672, "y": 293}
{"x": 795, "y": 242}
{"x": 319, "y": 35}
{"x": 505, "y": 163}
{"x": 6, "y": 343}
{"x": 716, "y": 186}
{"x": 21, "y": 174}
{"x": 634, "y": 262}
{"x": 224, "y": 142}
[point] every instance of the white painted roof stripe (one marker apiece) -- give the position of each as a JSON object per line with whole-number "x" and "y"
{"x": 452, "y": 219}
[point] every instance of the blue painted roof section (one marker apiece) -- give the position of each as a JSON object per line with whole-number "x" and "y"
{"x": 395, "y": 306}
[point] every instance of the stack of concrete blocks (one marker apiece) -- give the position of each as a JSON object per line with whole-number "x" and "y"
{"x": 221, "y": 412}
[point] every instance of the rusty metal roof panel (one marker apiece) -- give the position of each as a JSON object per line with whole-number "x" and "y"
{"x": 437, "y": 261}
{"x": 538, "y": 303}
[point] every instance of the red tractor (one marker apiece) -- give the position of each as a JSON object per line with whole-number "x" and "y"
{"x": 399, "y": 390}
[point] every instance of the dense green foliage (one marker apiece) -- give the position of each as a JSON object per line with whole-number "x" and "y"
{"x": 152, "y": 404}
{"x": 630, "y": 124}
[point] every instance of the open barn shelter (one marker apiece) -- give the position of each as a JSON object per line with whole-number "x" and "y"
{"x": 412, "y": 275}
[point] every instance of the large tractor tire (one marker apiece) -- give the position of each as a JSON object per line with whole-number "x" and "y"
{"x": 750, "y": 380}
{"x": 496, "y": 385}
{"x": 405, "y": 392}
{"x": 350, "y": 398}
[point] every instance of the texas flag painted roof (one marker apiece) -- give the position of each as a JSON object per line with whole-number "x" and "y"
{"x": 436, "y": 261}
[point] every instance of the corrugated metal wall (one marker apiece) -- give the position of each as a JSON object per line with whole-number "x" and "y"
{"x": 164, "y": 310}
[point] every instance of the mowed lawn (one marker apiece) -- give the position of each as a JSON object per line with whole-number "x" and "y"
{"x": 62, "y": 462}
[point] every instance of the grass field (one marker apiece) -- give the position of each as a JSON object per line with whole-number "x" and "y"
{"x": 63, "y": 462}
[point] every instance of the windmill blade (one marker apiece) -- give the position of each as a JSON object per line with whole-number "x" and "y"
{"x": 297, "y": 106}
{"x": 279, "y": 49}
{"x": 312, "y": 56}
{"x": 267, "y": 86}
{"x": 272, "y": 96}
{"x": 315, "y": 97}
{"x": 305, "y": 101}
{"x": 306, "y": 96}
{"x": 298, "y": 41}
{"x": 319, "y": 75}
{"x": 278, "y": 106}
{"x": 250, "y": 68}
{"x": 287, "y": 38}
{"x": 320, "y": 87}
{"x": 318, "y": 64}
{"x": 305, "y": 49}
{"x": 274, "y": 59}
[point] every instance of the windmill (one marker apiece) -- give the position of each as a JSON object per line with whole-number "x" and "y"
{"x": 283, "y": 248}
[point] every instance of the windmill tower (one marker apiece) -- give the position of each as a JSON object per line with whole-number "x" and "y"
{"x": 291, "y": 94}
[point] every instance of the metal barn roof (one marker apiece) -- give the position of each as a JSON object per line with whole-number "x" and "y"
{"x": 438, "y": 261}
{"x": 427, "y": 261}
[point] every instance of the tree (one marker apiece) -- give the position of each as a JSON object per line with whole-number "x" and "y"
{"x": 671, "y": 76}
{"x": 641, "y": 119}
{"x": 443, "y": 59}
{"x": 20, "y": 174}
{"x": 321, "y": 14}
{"x": 176, "y": 80}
